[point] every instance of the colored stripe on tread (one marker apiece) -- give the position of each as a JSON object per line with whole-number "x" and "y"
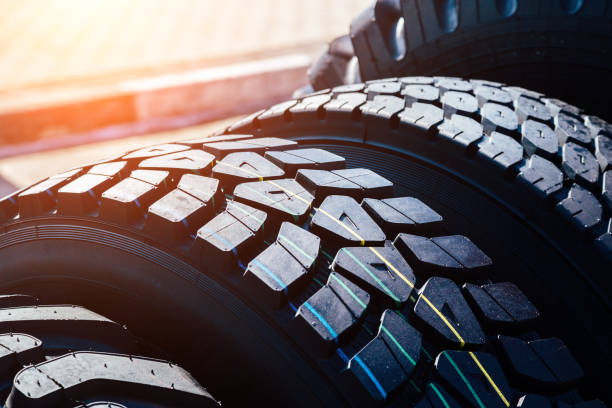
{"x": 399, "y": 346}
{"x": 378, "y": 281}
{"x": 371, "y": 375}
{"x": 242, "y": 210}
{"x": 297, "y": 248}
{"x": 271, "y": 274}
{"x": 392, "y": 267}
{"x": 353, "y": 295}
{"x": 439, "y": 394}
{"x": 467, "y": 383}
{"x": 486, "y": 374}
{"x": 322, "y": 320}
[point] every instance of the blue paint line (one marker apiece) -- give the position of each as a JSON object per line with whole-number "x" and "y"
{"x": 292, "y": 306}
{"x": 322, "y": 320}
{"x": 220, "y": 238}
{"x": 371, "y": 375}
{"x": 270, "y": 273}
{"x": 342, "y": 355}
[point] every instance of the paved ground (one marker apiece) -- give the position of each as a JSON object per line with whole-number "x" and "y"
{"x": 60, "y": 40}
{"x": 21, "y": 171}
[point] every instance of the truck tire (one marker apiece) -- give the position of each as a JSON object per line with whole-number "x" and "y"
{"x": 52, "y": 354}
{"x": 383, "y": 243}
{"x": 542, "y": 45}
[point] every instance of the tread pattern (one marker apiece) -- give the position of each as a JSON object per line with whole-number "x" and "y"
{"x": 516, "y": 40}
{"x": 42, "y": 365}
{"x": 391, "y": 306}
{"x": 520, "y": 146}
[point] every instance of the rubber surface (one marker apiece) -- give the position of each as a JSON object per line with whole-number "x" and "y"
{"x": 385, "y": 297}
{"x": 533, "y": 44}
{"x": 42, "y": 365}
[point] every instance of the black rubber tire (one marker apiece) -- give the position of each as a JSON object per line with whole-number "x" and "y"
{"x": 243, "y": 261}
{"x": 541, "y": 44}
{"x": 51, "y": 355}
{"x": 336, "y": 65}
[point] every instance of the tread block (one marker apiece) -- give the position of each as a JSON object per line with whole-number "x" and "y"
{"x": 544, "y": 362}
{"x": 176, "y": 215}
{"x": 157, "y": 150}
{"x": 460, "y": 372}
{"x": 604, "y": 241}
{"x": 326, "y": 318}
{"x": 538, "y": 138}
{"x": 236, "y": 168}
{"x": 64, "y": 379}
{"x": 377, "y": 370}
{"x": 447, "y": 299}
{"x": 383, "y": 88}
{"x": 459, "y": 103}
{"x": 384, "y": 106}
{"x": 422, "y": 116}
{"x": 277, "y": 112}
{"x": 127, "y": 201}
{"x": 531, "y": 109}
{"x": 344, "y": 103}
{"x": 402, "y": 214}
{"x": 555, "y": 106}
{"x": 606, "y": 189}
{"x": 501, "y": 305}
{"x": 230, "y": 235}
{"x": 195, "y": 161}
{"x": 38, "y": 199}
{"x": 603, "y": 152}
{"x": 357, "y": 183}
{"x": 293, "y": 160}
{"x": 503, "y": 150}
{"x": 389, "y": 359}
{"x": 16, "y": 350}
{"x": 257, "y": 145}
{"x": 570, "y": 129}
{"x": 109, "y": 169}
{"x": 81, "y": 196}
{"x": 310, "y": 106}
{"x": 364, "y": 267}
{"x": 340, "y": 221}
{"x": 452, "y": 84}
{"x": 541, "y": 175}
{"x": 437, "y": 396}
{"x": 597, "y": 125}
{"x": 579, "y": 164}
{"x": 451, "y": 255}
{"x": 486, "y": 94}
{"x": 402, "y": 339}
{"x": 281, "y": 270}
{"x": 60, "y": 327}
{"x": 517, "y": 91}
{"x": 461, "y": 130}
{"x": 498, "y": 118}
{"x": 284, "y": 199}
{"x": 581, "y": 207}
{"x": 340, "y": 89}
{"x": 420, "y": 93}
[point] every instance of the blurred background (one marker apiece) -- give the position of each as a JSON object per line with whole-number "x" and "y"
{"x": 83, "y": 79}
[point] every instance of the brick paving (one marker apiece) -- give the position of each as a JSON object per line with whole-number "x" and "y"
{"x": 61, "y": 40}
